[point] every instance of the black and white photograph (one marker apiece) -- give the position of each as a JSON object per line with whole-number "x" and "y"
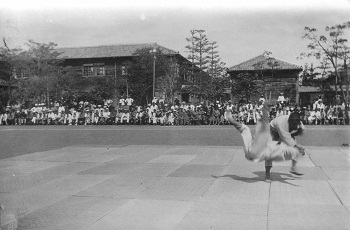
{"x": 175, "y": 115}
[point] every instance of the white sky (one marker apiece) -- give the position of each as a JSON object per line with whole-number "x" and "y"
{"x": 242, "y": 29}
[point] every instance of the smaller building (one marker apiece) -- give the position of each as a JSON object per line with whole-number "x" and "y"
{"x": 275, "y": 75}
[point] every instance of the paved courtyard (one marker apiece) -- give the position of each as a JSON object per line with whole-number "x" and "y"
{"x": 172, "y": 187}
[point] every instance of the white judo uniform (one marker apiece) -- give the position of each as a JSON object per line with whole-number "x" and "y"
{"x": 261, "y": 147}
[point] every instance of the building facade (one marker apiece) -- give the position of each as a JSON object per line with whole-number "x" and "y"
{"x": 110, "y": 61}
{"x": 274, "y": 75}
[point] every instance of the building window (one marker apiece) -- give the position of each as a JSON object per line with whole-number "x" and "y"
{"x": 88, "y": 70}
{"x": 22, "y": 73}
{"x": 95, "y": 69}
{"x": 100, "y": 70}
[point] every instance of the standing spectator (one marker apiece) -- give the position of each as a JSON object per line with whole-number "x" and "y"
{"x": 17, "y": 116}
{"x": 279, "y": 112}
{"x": 341, "y": 117}
{"x": 317, "y": 116}
{"x": 87, "y": 116}
{"x": 11, "y": 117}
{"x": 249, "y": 106}
{"x": 286, "y": 111}
{"x": 314, "y": 104}
{"x": 281, "y": 99}
{"x": 335, "y": 115}
{"x": 161, "y": 101}
{"x": 176, "y": 101}
{"x": 181, "y": 116}
{"x": 273, "y": 113}
{"x": 320, "y": 104}
{"x": 32, "y": 117}
{"x": 323, "y": 116}
{"x": 129, "y": 101}
{"x": 287, "y": 102}
{"x": 251, "y": 120}
{"x": 262, "y": 99}
{"x": 125, "y": 116}
{"x": 155, "y": 100}
{"x": 229, "y": 109}
{"x": 312, "y": 117}
{"x": 118, "y": 116}
{"x": 152, "y": 111}
{"x": 122, "y": 101}
{"x": 23, "y": 117}
{"x": 112, "y": 115}
{"x": 186, "y": 106}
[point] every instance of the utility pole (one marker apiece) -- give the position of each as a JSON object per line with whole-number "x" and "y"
{"x": 154, "y": 70}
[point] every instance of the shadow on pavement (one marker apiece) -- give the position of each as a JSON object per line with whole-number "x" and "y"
{"x": 260, "y": 176}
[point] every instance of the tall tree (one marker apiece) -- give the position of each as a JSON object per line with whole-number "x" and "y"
{"x": 331, "y": 48}
{"x": 219, "y": 79}
{"x": 170, "y": 82}
{"x": 199, "y": 56}
{"x": 216, "y": 67}
{"x": 192, "y": 50}
{"x": 11, "y": 60}
{"x": 140, "y": 74}
{"x": 45, "y": 64}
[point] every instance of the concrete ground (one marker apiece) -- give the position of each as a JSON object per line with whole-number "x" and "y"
{"x": 172, "y": 187}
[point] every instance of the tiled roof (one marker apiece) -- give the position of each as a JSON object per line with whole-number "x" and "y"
{"x": 121, "y": 50}
{"x": 249, "y": 65}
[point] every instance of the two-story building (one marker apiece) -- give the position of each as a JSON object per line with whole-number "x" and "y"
{"x": 110, "y": 61}
{"x": 277, "y": 76}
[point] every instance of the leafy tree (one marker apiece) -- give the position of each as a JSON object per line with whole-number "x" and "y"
{"x": 218, "y": 87}
{"x": 245, "y": 85}
{"x": 309, "y": 76}
{"x": 10, "y": 60}
{"x": 45, "y": 64}
{"x": 37, "y": 74}
{"x": 170, "y": 82}
{"x": 331, "y": 48}
{"x": 37, "y": 67}
{"x": 140, "y": 74}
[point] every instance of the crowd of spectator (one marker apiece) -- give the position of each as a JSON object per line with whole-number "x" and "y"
{"x": 160, "y": 113}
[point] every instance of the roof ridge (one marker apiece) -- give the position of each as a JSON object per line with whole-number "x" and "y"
{"x": 116, "y": 50}
{"x": 248, "y": 60}
{"x": 121, "y": 44}
{"x": 249, "y": 63}
{"x": 287, "y": 61}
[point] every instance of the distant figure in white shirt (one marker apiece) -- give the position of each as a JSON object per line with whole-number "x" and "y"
{"x": 155, "y": 100}
{"x": 262, "y": 99}
{"x": 279, "y": 112}
{"x": 281, "y": 98}
{"x": 129, "y": 101}
{"x": 152, "y": 111}
{"x": 122, "y": 101}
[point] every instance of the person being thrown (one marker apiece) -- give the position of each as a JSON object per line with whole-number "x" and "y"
{"x": 261, "y": 146}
